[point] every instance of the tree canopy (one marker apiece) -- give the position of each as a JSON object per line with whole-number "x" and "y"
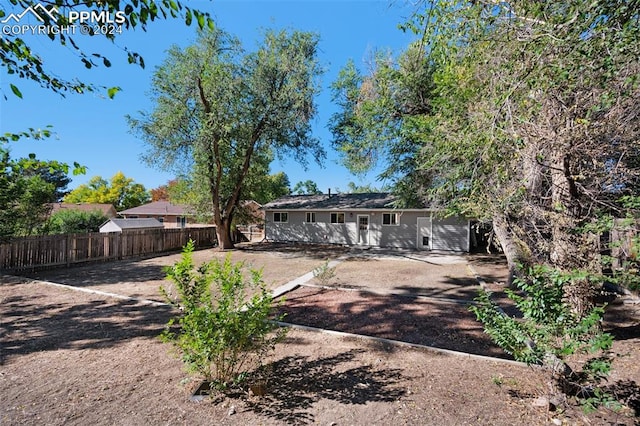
{"x": 121, "y": 191}
{"x": 307, "y": 187}
{"x": 222, "y": 114}
{"x": 522, "y": 114}
{"x": 28, "y": 186}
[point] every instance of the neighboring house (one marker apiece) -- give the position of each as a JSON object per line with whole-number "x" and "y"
{"x": 171, "y": 215}
{"x": 107, "y": 209}
{"x": 123, "y": 225}
{"x": 366, "y": 219}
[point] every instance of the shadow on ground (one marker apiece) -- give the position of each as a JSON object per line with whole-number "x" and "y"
{"x": 314, "y": 251}
{"x": 102, "y": 274}
{"x": 440, "y": 324}
{"x": 34, "y": 322}
{"x": 298, "y": 382}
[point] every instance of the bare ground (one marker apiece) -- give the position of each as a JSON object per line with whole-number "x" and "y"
{"x": 68, "y": 357}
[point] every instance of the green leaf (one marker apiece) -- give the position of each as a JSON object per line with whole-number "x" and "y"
{"x": 201, "y": 20}
{"x": 188, "y": 17}
{"x": 16, "y": 91}
{"x": 111, "y": 92}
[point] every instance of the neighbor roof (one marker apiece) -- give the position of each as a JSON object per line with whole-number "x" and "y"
{"x": 370, "y": 200}
{"x": 158, "y": 208}
{"x": 106, "y": 209}
{"x": 137, "y": 223}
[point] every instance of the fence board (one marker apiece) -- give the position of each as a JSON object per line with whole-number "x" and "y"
{"x": 46, "y": 251}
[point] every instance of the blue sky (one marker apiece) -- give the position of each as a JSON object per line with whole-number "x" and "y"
{"x": 91, "y": 129}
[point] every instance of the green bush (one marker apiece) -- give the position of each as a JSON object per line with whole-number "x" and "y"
{"x": 550, "y": 332}
{"x": 74, "y": 221}
{"x": 222, "y": 331}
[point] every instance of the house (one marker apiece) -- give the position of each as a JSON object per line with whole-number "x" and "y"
{"x": 124, "y": 225}
{"x": 106, "y": 209}
{"x": 170, "y": 215}
{"x": 367, "y": 219}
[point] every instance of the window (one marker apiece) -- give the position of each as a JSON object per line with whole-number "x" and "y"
{"x": 337, "y": 217}
{"x": 311, "y": 217}
{"x": 390, "y": 219}
{"x": 281, "y": 217}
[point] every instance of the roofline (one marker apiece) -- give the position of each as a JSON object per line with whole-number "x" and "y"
{"x": 359, "y": 209}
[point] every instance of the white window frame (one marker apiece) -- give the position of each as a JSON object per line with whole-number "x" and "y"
{"x": 394, "y": 219}
{"x": 310, "y": 217}
{"x": 280, "y": 215}
{"x": 337, "y": 218}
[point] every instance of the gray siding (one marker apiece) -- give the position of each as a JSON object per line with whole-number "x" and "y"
{"x": 449, "y": 234}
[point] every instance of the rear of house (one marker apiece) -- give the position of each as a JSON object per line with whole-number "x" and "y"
{"x": 367, "y": 219}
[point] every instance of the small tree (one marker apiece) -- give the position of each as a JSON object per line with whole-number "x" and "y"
{"x": 222, "y": 331}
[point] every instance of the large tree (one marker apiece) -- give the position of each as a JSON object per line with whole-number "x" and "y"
{"x": 28, "y": 186}
{"x": 121, "y": 191}
{"x": 523, "y": 114}
{"x": 307, "y": 187}
{"x": 224, "y": 113}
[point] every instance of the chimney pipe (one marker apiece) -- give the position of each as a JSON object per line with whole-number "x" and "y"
{"x": 329, "y": 192}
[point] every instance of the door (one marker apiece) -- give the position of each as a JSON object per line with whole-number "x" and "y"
{"x": 363, "y": 230}
{"x": 425, "y": 242}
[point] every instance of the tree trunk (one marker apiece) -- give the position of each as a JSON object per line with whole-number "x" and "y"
{"x": 223, "y": 230}
{"x": 510, "y": 247}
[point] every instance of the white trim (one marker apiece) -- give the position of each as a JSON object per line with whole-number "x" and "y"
{"x": 368, "y": 242}
{"x": 280, "y": 213}
{"x": 337, "y": 222}
{"x": 397, "y": 218}
{"x": 313, "y": 217}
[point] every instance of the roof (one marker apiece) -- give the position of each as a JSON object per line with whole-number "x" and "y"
{"x": 369, "y": 200}
{"x": 136, "y": 223}
{"x": 106, "y": 209}
{"x": 159, "y": 208}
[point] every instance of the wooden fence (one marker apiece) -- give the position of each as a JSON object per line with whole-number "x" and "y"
{"x": 47, "y": 251}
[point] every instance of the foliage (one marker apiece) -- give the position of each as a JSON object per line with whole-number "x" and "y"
{"x": 69, "y": 221}
{"x": 353, "y": 188}
{"x": 550, "y": 332}
{"x": 20, "y": 58}
{"x": 269, "y": 188}
{"x": 517, "y": 113}
{"x": 221, "y": 114}
{"x": 308, "y": 187}
{"x": 28, "y": 186}
{"x": 223, "y": 329}
{"x": 324, "y": 273}
{"x": 120, "y": 191}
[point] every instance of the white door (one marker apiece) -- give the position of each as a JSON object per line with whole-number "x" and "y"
{"x": 363, "y": 230}
{"x": 424, "y": 233}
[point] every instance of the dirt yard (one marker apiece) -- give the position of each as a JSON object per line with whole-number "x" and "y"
{"x": 70, "y": 357}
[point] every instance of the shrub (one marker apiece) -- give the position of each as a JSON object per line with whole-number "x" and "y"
{"x": 324, "y": 273}
{"x": 74, "y": 221}
{"x": 550, "y": 332}
{"x": 221, "y": 331}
